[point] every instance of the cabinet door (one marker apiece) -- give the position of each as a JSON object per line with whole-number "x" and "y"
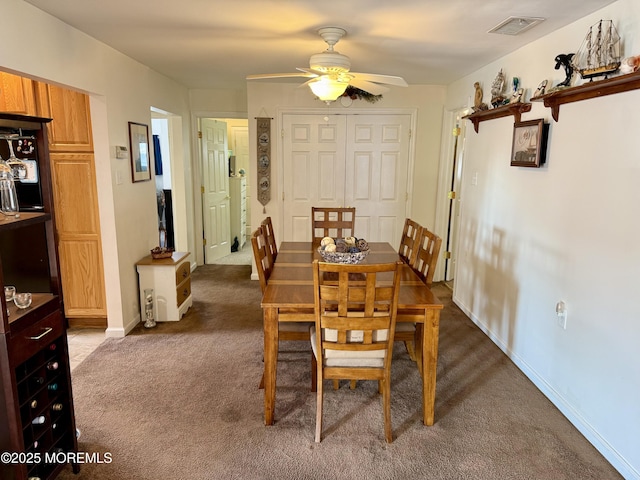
{"x": 16, "y": 94}
{"x": 70, "y": 130}
{"x": 78, "y": 227}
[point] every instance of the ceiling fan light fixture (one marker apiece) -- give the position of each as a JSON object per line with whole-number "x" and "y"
{"x": 328, "y": 62}
{"x": 328, "y": 89}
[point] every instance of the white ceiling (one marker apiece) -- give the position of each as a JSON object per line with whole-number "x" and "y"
{"x": 216, "y": 43}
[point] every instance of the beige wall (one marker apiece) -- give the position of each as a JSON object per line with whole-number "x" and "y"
{"x": 565, "y": 232}
{"x": 121, "y": 90}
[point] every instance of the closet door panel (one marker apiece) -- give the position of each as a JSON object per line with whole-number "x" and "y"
{"x": 313, "y": 166}
{"x": 377, "y": 172}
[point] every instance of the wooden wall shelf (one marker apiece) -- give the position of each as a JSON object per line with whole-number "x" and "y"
{"x": 515, "y": 109}
{"x": 601, "y": 88}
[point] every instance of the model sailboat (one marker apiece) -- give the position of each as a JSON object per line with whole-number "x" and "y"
{"x": 599, "y": 54}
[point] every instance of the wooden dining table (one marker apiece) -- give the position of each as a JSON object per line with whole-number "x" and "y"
{"x": 289, "y": 298}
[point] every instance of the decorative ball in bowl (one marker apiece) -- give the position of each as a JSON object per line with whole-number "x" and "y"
{"x": 22, "y": 300}
{"x": 349, "y": 250}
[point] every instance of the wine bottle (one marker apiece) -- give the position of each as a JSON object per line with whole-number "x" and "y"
{"x": 52, "y": 366}
{"x": 38, "y": 420}
{"x": 39, "y": 380}
{"x": 34, "y": 404}
{"x": 56, "y": 407}
{"x": 52, "y": 386}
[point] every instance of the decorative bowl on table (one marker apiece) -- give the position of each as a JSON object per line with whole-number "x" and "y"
{"x": 161, "y": 252}
{"x": 347, "y": 250}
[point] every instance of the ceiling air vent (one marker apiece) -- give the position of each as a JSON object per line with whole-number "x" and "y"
{"x": 516, "y": 25}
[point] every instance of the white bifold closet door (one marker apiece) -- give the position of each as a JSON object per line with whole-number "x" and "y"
{"x": 347, "y": 160}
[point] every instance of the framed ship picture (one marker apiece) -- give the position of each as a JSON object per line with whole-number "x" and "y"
{"x": 529, "y": 145}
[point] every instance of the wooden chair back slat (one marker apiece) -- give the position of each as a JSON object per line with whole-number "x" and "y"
{"x": 426, "y": 258}
{"x": 409, "y": 241}
{"x": 264, "y": 262}
{"x": 335, "y": 222}
{"x": 272, "y": 246}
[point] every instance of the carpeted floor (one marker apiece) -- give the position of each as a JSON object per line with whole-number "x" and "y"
{"x": 181, "y": 402}
{"x": 244, "y": 256}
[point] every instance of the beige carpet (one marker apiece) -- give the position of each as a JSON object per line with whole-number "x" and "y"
{"x": 244, "y": 256}
{"x": 181, "y": 402}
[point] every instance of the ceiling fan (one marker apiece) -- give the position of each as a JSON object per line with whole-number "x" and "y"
{"x": 330, "y": 74}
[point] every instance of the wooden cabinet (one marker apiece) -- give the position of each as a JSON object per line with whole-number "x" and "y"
{"x": 238, "y": 209}
{"x": 36, "y": 404}
{"x": 75, "y": 195}
{"x": 170, "y": 279}
{"x": 79, "y": 241}
{"x": 70, "y": 130}
{"x": 16, "y": 94}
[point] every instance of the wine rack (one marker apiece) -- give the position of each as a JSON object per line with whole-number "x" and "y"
{"x": 37, "y": 420}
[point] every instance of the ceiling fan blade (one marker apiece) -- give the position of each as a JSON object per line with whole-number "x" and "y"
{"x": 372, "y": 88}
{"x": 386, "y": 79}
{"x": 279, "y": 75}
{"x": 310, "y": 71}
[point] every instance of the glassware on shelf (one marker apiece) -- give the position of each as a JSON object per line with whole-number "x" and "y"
{"x": 18, "y": 166}
{"x": 8, "y": 195}
{"x": 9, "y": 292}
{"x": 22, "y": 300}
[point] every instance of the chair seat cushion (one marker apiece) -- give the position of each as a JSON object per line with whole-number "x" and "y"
{"x": 339, "y": 358}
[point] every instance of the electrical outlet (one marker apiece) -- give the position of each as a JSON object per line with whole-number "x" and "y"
{"x": 561, "y": 312}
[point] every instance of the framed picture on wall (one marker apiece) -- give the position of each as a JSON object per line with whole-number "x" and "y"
{"x": 529, "y": 145}
{"x": 139, "y": 148}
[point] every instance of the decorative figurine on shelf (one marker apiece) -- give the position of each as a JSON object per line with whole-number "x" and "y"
{"x": 541, "y": 88}
{"x": 630, "y": 64}
{"x": 517, "y": 91}
{"x": 497, "y": 89}
{"x": 517, "y": 96}
{"x": 478, "y": 106}
{"x": 564, "y": 60}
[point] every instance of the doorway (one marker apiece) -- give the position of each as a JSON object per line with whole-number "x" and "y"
{"x": 450, "y": 196}
{"x": 170, "y": 175}
{"x": 225, "y": 175}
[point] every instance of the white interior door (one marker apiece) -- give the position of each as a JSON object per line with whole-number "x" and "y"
{"x": 451, "y": 240}
{"x": 377, "y": 171}
{"x": 357, "y": 161}
{"x": 314, "y": 169}
{"x": 215, "y": 196}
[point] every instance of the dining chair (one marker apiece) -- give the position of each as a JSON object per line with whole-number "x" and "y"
{"x": 408, "y": 241}
{"x": 355, "y": 317}
{"x": 336, "y": 222}
{"x": 270, "y": 237}
{"x": 427, "y": 251}
{"x": 287, "y": 331}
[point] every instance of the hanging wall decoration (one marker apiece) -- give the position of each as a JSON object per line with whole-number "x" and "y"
{"x": 264, "y": 159}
